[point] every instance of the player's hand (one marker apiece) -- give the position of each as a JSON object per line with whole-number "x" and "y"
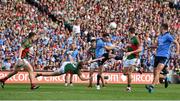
{"x": 88, "y": 62}
{"x": 127, "y": 45}
{"x": 19, "y": 60}
{"x": 101, "y": 58}
{"x": 128, "y": 53}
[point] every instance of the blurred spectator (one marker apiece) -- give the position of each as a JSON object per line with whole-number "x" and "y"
{"x": 7, "y": 64}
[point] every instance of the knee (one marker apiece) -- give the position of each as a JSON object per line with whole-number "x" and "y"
{"x": 100, "y": 72}
{"x": 157, "y": 70}
{"x": 128, "y": 73}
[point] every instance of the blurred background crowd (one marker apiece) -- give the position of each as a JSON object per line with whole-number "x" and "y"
{"x": 65, "y": 27}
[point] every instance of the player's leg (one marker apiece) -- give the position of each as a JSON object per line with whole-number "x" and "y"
{"x": 128, "y": 71}
{"x": 129, "y": 66}
{"x": 157, "y": 73}
{"x": 102, "y": 78}
{"x": 66, "y": 79}
{"x": 71, "y": 78}
{"x": 93, "y": 66}
{"x": 56, "y": 73}
{"x": 90, "y": 75}
{"x": 99, "y": 77}
{"x": 129, "y": 77}
{"x": 163, "y": 75}
{"x": 166, "y": 81}
{"x": 140, "y": 66}
{"x": 100, "y": 70}
{"x": 29, "y": 69}
{"x": 159, "y": 65}
{"x": 125, "y": 72}
{"x": 16, "y": 69}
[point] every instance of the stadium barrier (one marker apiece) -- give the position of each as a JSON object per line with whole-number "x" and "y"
{"x": 113, "y": 78}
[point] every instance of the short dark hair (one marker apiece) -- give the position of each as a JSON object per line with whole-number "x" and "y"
{"x": 132, "y": 30}
{"x": 31, "y": 34}
{"x": 164, "y": 26}
{"x": 105, "y": 35}
{"x": 93, "y": 40}
{"x": 80, "y": 64}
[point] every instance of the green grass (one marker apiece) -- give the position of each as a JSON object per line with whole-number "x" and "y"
{"x": 81, "y": 92}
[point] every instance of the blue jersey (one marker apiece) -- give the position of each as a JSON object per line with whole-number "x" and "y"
{"x": 164, "y": 44}
{"x": 109, "y": 43}
{"x": 75, "y": 54}
{"x": 100, "y": 50}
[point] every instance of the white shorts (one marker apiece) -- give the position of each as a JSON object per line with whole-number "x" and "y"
{"x": 93, "y": 65}
{"x": 22, "y": 63}
{"x": 131, "y": 62}
{"x": 61, "y": 70}
{"x": 25, "y": 61}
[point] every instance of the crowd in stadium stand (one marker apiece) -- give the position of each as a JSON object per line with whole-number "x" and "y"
{"x": 67, "y": 26}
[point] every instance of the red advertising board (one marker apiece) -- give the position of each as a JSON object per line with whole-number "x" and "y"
{"x": 114, "y": 78}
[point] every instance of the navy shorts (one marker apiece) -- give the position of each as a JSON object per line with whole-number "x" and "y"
{"x": 165, "y": 70}
{"x": 162, "y": 60}
{"x": 101, "y": 62}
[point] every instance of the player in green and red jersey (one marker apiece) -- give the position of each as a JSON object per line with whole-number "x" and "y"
{"x": 133, "y": 49}
{"x": 68, "y": 67}
{"x": 22, "y": 63}
{"x": 91, "y": 56}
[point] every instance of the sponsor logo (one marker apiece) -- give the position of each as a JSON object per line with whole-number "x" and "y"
{"x": 116, "y": 78}
{"x": 123, "y": 77}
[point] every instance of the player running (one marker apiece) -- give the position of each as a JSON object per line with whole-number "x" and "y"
{"x": 165, "y": 39}
{"x": 133, "y": 49}
{"x": 68, "y": 67}
{"x": 22, "y": 63}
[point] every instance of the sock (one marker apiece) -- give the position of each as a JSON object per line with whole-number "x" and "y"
{"x": 98, "y": 79}
{"x": 129, "y": 85}
{"x": 32, "y": 85}
{"x": 70, "y": 82}
{"x": 152, "y": 86}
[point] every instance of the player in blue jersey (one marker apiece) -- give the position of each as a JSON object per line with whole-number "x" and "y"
{"x": 165, "y": 39}
{"x": 102, "y": 50}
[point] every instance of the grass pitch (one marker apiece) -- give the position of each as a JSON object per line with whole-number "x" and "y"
{"x": 82, "y": 92}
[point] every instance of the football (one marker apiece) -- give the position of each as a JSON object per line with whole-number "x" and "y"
{"x": 113, "y": 25}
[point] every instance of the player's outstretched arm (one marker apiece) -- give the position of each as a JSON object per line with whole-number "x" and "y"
{"x": 154, "y": 45}
{"x": 95, "y": 60}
